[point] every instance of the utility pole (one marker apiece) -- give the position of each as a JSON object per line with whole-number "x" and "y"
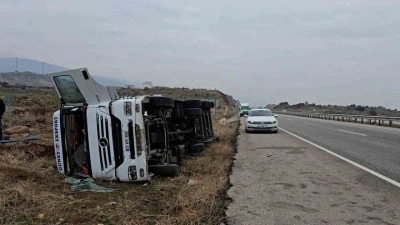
{"x": 42, "y": 67}
{"x": 16, "y": 64}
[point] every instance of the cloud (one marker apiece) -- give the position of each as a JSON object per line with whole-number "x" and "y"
{"x": 303, "y": 48}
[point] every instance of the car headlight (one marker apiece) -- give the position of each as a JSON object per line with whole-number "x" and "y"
{"x": 250, "y": 122}
{"x": 274, "y": 121}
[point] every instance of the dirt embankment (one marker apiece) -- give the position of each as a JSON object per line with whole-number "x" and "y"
{"x": 32, "y": 192}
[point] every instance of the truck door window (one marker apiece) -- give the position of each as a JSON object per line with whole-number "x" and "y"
{"x": 68, "y": 89}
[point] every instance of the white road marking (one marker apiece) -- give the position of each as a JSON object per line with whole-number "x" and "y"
{"x": 352, "y": 132}
{"x": 289, "y": 119}
{"x": 395, "y": 183}
{"x": 308, "y": 123}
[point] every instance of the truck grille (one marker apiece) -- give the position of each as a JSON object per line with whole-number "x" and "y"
{"x": 103, "y": 136}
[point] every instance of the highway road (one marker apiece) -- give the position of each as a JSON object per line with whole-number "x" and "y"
{"x": 376, "y": 148}
{"x": 280, "y": 179}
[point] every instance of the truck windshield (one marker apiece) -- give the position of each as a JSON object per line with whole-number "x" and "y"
{"x": 68, "y": 89}
{"x": 244, "y": 107}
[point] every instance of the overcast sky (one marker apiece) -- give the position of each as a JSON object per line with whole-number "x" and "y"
{"x": 327, "y": 52}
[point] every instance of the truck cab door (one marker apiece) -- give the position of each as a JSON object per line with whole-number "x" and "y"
{"x": 77, "y": 87}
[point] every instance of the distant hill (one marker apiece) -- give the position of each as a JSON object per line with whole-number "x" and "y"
{"x": 29, "y": 70}
{"x": 27, "y": 79}
{"x": 352, "y": 109}
{"x": 10, "y": 65}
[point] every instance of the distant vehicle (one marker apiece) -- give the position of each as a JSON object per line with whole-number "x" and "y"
{"x": 244, "y": 109}
{"x": 261, "y": 120}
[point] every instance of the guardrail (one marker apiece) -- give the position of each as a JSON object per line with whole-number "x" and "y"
{"x": 373, "y": 120}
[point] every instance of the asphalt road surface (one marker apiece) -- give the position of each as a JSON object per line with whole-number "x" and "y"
{"x": 377, "y": 148}
{"x": 280, "y": 179}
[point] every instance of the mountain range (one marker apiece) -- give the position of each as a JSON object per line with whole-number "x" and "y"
{"x": 28, "y": 69}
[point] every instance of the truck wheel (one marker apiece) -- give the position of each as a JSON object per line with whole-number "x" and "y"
{"x": 196, "y": 149}
{"x": 208, "y": 142}
{"x": 161, "y": 101}
{"x": 192, "y": 104}
{"x": 165, "y": 170}
{"x": 205, "y": 105}
{"x": 178, "y": 112}
{"x": 193, "y": 112}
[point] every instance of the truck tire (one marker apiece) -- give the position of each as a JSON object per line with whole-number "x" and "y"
{"x": 158, "y": 101}
{"x": 164, "y": 170}
{"x": 192, "y": 104}
{"x": 207, "y": 105}
{"x": 177, "y": 111}
{"x": 196, "y": 149}
{"x": 193, "y": 112}
{"x": 208, "y": 142}
{"x": 2, "y": 107}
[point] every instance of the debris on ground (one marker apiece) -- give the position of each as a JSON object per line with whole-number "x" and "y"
{"x": 111, "y": 203}
{"x": 86, "y": 184}
{"x": 40, "y": 216}
{"x": 17, "y": 130}
{"x": 192, "y": 182}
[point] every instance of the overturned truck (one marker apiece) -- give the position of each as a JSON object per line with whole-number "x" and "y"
{"x": 127, "y": 139}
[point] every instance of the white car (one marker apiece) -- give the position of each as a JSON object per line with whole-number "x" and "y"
{"x": 261, "y": 120}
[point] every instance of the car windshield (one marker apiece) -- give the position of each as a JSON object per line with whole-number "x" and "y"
{"x": 260, "y": 113}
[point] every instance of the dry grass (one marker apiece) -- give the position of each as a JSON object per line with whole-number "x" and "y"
{"x": 32, "y": 192}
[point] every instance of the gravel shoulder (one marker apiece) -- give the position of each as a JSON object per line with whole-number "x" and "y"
{"x": 279, "y": 179}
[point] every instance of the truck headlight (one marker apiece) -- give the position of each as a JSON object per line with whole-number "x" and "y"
{"x": 128, "y": 108}
{"x": 132, "y": 173}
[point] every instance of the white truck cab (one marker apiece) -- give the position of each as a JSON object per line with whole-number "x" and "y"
{"x": 97, "y": 133}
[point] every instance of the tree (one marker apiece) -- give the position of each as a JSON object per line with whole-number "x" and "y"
{"x": 360, "y": 108}
{"x": 373, "y": 113}
{"x": 284, "y": 104}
